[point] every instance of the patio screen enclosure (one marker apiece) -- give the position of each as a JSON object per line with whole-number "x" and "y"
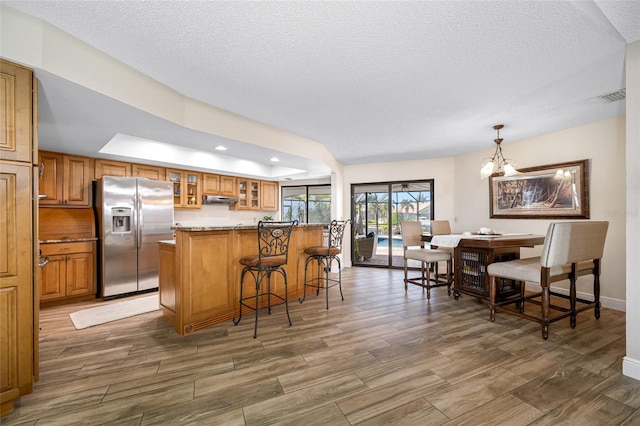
{"x": 376, "y": 212}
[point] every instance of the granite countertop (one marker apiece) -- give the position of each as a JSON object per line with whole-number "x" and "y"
{"x": 232, "y": 227}
{"x": 68, "y": 240}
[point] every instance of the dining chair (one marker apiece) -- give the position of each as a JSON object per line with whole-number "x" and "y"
{"x": 414, "y": 249}
{"x": 440, "y": 227}
{"x": 570, "y": 250}
{"x": 324, "y": 256}
{"x": 273, "y": 251}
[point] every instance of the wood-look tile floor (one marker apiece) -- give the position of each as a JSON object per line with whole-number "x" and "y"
{"x": 381, "y": 357}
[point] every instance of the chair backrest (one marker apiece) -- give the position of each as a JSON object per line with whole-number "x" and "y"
{"x": 411, "y": 233}
{"x": 273, "y": 239}
{"x": 440, "y": 227}
{"x": 336, "y": 232}
{"x": 572, "y": 242}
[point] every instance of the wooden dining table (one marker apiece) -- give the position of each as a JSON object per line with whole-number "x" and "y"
{"x": 473, "y": 253}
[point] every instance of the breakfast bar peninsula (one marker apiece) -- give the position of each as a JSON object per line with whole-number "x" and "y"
{"x": 199, "y": 273}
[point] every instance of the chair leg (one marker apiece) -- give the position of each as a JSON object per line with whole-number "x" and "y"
{"x": 269, "y": 292}
{"x": 406, "y": 282}
{"x": 544, "y": 321}
{"x": 304, "y": 283}
{"x": 340, "y": 277}
{"x": 236, "y": 321}
{"x": 255, "y": 326}
{"x": 572, "y": 298}
{"x": 493, "y": 291}
{"x": 327, "y": 267}
{"x": 520, "y": 304}
{"x": 286, "y": 295}
{"x": 321, "y": 267}
{"x": 596, "y": 288}
{"x": 426, "y": 281}
{"x": 449, "y": 276}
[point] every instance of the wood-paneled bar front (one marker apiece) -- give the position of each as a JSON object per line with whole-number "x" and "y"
{"x": 199, "y": 277}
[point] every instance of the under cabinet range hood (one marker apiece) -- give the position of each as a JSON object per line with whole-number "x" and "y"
{"x": 218, "y": 199}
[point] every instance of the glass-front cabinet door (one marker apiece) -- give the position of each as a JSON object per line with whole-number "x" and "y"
{"x": 187, "y": 188}
{"x": 249, "y": 194}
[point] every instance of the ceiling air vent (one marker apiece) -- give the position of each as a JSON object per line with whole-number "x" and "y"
{"x": 615, "y": 96}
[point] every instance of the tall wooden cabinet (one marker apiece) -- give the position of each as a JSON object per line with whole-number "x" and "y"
{"x": 18, "y": 219}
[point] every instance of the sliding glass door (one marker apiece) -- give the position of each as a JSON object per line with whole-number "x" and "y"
{"x": 376, "y": 212}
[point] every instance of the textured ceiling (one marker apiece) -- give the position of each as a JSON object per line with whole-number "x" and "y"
{"x": 374, "y": 81}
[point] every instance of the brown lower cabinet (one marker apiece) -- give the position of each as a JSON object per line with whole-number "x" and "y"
{"x": 70, "y": 274}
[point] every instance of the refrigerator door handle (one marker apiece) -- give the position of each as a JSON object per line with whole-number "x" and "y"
{"x": 140, "y": 221}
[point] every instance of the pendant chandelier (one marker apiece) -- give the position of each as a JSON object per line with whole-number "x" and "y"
{"x": 497, "y": 165}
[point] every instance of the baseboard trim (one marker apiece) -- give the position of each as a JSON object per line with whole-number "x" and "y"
{"x": 605, "y": 302}
{"x": 631, "y": 367}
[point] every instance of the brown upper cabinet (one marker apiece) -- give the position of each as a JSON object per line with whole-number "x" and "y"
{"x": 219, "y": 185}
{"x": 257, "y": 195}
{"x": 228, "y": 186}
{"x": 268, "y": 195}
{"x": 50, "y": 178}
{"x": 64, "y": 180}
{"x": 187, "y": 188}
{"x": 149, "y": 172}
{"x": 111, "y": 168}
{"x": 17, "y": 132}
{"x": 210, "y": 184}
{"x": 249, "y": 194}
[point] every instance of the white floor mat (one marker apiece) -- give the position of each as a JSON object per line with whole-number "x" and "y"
{"x": 114, "y": 311}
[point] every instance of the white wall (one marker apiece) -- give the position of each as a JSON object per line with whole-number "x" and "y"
{"x": 463, "y": 198}
{"x": 603, "y": 143}
{"x": 631, "y": 362}
{"x": 442, "y": 170}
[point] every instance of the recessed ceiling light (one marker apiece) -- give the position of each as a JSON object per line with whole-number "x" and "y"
{"x": 274, "y": 159}
{"x": 221, "y": 148}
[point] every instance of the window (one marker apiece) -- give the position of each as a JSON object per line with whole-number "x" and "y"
{"x": 376, "y": 212}
{"x": 307, "y": 203}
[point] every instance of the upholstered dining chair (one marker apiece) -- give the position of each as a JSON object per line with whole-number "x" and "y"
{"x": 440, "y": 227}
{"x": 570, "y": 250}
{"x": 414, "y": 249}
{"x": 324, "y": 256}
{"x": 273, "y": 252}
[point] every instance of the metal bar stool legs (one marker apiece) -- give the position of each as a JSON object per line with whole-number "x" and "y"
{"x": 324, "y": 256}
{"x": 258, "y": 277}
{"x": 323, "y": 279}
{"x": 273, "y": 249}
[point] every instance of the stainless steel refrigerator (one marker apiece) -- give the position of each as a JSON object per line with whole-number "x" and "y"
{"x": 133, "y": 215}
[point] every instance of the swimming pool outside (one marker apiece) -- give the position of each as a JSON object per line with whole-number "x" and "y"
{"x": 384, "y": 241}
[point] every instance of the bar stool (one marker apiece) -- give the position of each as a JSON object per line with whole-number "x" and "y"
{"x": 273, "y": 251}
{"x": 324, "y": 256}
